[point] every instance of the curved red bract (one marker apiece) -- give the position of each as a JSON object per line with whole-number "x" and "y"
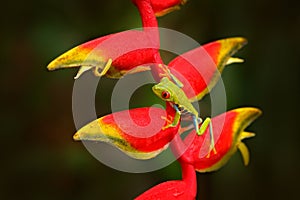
{"x": 228, "y": 132}
{"x": 123, "y": 48}
{"x": 200, "y": 68}
{"x": 170, "y": 190}
{"x": 138, "y": 132}
{"x": 142, "y": 132}
{"x": 162, "y": 7}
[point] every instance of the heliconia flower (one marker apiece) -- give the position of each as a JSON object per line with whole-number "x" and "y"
{"x": 199, "y": 69}
{"x": 162, "y": 7}
{"x": 137, "y": 132}
{"x": 143, "y": 133}
{"x": 112, "y": 55}
{"x": 228, "y": 130}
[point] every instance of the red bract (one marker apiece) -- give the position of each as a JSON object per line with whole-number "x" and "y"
{"x": 162, "y": 7}
{"x": 122, "y": 48}
{"x": 199, "y": 69}
{"x": 137, "y": 132}
{"x": 228, "y": 129}
{"x": 158, "y": 7}
{"x": 171, "y": 190}
{"x": 184, "y": 189}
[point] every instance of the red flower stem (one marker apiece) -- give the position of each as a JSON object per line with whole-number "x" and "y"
{"x": 150, "y": 26}
{"x": 178, "y": 149}
{"x": 155, "y": 69}
{"x": 146, "y": 12}
{"x": 149, "y": 21}
{"x": 188, "y": 171}
{"x": 189, "y": 177}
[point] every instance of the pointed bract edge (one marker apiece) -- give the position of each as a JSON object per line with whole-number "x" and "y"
{"x": 229, "y": 47}
{"x": 163, "y": 7}
{"x": 82, "y": 56}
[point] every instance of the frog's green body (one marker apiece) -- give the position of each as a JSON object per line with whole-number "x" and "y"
{"x": 176, "y": 96}
{"x": 168, "y": 91}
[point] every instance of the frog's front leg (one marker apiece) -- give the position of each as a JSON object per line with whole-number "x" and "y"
{"x": 104, "y": 70}
{"x": 167, "y": 73}
{"x": 176, "y": 119}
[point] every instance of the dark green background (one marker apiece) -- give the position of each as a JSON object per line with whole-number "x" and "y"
{"x": 41, "y": 161}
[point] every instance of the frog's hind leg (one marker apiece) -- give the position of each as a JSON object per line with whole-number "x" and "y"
{"x": 200, "y": 131}
{"x": 196, "y": 122}
{"x": 212, "y": 141}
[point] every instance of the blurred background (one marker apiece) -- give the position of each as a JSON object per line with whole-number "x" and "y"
{"x": 40, "y": 160}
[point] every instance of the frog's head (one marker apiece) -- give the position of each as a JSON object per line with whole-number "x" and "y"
{"x": 163, "y": 91}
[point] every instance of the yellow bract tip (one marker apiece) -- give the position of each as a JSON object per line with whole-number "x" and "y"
{"x": 244, "y": 152}
{"x": 234, "y": 60}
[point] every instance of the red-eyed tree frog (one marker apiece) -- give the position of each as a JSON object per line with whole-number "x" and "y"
{"x": 169, "y": 91}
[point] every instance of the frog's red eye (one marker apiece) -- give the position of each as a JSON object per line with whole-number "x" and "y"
{"x": 165, "y": 94}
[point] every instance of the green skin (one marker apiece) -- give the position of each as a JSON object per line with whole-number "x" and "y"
{"x": 180, "y": 102}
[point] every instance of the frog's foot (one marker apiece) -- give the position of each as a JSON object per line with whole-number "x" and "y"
{"x": 97, "y": 69}
{"x": 167, "y": 73}
{"x": 169, "y": 122}
{"x": 211, "y": 149}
